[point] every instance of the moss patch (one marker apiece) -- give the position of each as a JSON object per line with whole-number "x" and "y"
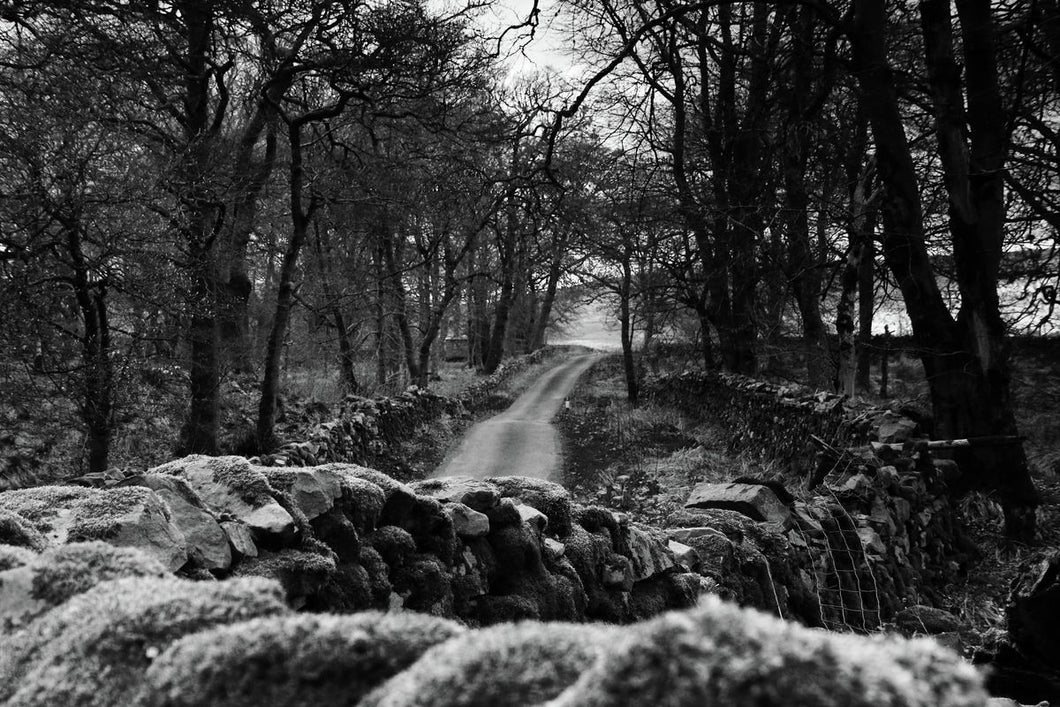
{"x": 302, "y": 660}
{"x": 500, "y": 666}
{"x": 65, "y": 571}
{"x": 95, "y": 648}
{"x": 19, "y": 532}
{"x": 720, "y": 654}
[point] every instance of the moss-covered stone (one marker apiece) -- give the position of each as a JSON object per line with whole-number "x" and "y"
{"x": 12, "y": 556}
{"x": 57, "y": 574}
{"x": 550, "y": 498}
{"x": 302, "y": 574}
{"x": 476, "y": 494}
{"x": 16, "y": 531}
{"x": 235, "y": 474}
{"x": 719, "y": 654}
{"x": 295, "y": 661}
{"x": 94, "y": 649}
{"x": 362, "y": 502}
{"x": 232, "y": 485}
{"x": 335, "y": 530}
{"x": 207, "y": 543}
{"x": 432, "y": 529}
{"x": 347, "y": 589}
{"x": 393, "y": 544}
{"x": 47, "y": 508}
{"x": 425, "y": 585}
{"x": 311, "y": 492}
{"x": 126, "y": 516}
{"x": 589, "y": 553}
{"x": 100, "y": 516}
{"x": 71, "y": 569}
{"x": 501, "y": 666}
{"x": 378, "y": 575}
{"x": 398, "y": 499}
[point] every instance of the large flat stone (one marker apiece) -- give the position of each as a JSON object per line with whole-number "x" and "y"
{"x": 752, "y": 500}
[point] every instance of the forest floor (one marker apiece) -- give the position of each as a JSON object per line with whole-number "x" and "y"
{"x": 646, "y": 460}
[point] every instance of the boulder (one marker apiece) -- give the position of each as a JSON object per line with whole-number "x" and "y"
{"x": 468, "y": 523}
{"x": 300, "y": 661}
{"x": 532, "y": 517}
{"x": 398, "y": 499}
{"x": 231, "y": 485}
{"x": 125, "y": 516}
{"x": 648, "y": 552}
{"x": 312, "y": 491}
{"x": 753, "y": 500}
{"x": 206, "y": 541}
{"x": 239, "y": 538}
{"x": 550, "y": 498}
{"x": 49, "y": 509}
{"x": 683, "y": 554}
{"x": 302, "y": 574}
{"x": 476, "y": 494}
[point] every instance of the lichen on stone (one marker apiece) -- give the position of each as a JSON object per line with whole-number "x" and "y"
{"x": 100, "y": 515}
{"x": 94, "y": 649}
{"x": 550, "y": 498}
{"x": 39, "y": 504}
{"x": 234, "y": 473}
{"x": 242, "y": 479}
{"x": 303, "y": 660}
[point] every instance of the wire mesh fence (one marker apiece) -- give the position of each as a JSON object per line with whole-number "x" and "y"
{"x": 846, "y": 587}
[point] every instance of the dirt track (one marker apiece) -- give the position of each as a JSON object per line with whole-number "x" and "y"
{"x": 521, "y": 440}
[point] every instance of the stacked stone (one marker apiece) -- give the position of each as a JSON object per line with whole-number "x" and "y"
{"x": 764, "y": 418}
{"x": 366, "y": 428}
{"x": 342, "y": 537}
{"x": 878, "y": 537}
{"x": 477, "y": 395}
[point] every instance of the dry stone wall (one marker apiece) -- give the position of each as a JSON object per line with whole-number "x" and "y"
{"x": 875, "y": 532}
{"x": 365, "y": 430}
{"x": 343, "y": 537}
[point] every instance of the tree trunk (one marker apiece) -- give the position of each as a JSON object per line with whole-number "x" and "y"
{"x": 860, "y": 246}
{"x": 300, "y": 218}
{"x": 200, "y": 431}
{"x": 97, "y": 389}
{"x": 965, "y": 361}
{"x": 396, "y": 288}
{"x": 866, "y": 304}
{"x": 625, "y": 320}
{"x": 323, "y": 252}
